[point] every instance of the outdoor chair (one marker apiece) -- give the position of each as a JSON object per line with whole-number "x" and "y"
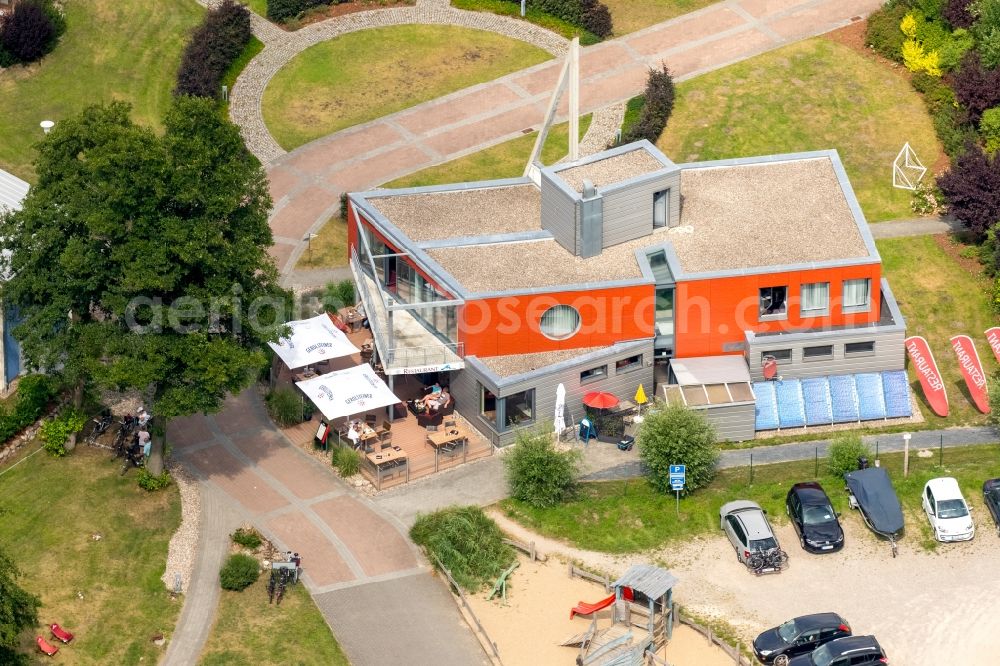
{"x": 386, "y": 425}
{"x": 60, "y": 633}
{"x": 386, "y": 438}
{"x": 431, "y": 428}
{"x": 371, "y": 420}
{"x": 386, "y": 445}
{"x": 451, "y": 423}
{"x": 45, "y": 646}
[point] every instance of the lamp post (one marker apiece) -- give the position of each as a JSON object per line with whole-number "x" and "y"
{"x": 47, "y": 125}
{"x": 906, "y": 454}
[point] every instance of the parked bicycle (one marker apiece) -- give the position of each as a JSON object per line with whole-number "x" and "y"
{"x": 100, "y": 425}
{"x": 133, "y": 458}
{"x": 770, "y": 561}
{"x": 122, "y": 440}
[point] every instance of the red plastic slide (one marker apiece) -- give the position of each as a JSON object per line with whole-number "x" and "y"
{"x": 583, "y": 608}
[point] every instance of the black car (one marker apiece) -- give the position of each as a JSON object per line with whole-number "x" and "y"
{"x": 850, "y": 651}
{"x": 991, "y": 495}
{"x": 801, "y": 635}
{"x": 814, "y": 518}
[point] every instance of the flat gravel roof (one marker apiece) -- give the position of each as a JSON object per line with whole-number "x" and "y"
{"x": 766, "y": 214}
{"x": 518, "y": 364}
{"x": 481, "y": 212}
{"x": 612, "y": 170}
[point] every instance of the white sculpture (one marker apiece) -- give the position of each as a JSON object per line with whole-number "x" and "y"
{"x": 907, "y": 171}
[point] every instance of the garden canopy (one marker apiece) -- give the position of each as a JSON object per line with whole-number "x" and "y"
{"x": 345, "y": 392}
{"x": 311, "y": 341}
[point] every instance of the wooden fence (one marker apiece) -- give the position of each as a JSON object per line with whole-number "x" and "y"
{"x": 526, "y": 548}
{"x": 495, "y": 657}
{"x": 577, "y": 572}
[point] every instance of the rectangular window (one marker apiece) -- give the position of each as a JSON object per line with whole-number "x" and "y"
{"x": 815, "y": 298}
{"x": 630, "y": 363}
{"x": 594, "y": 374}
{"x": 817, "y": 353}
{"x": 660, "y": 208}
{"x": 488, "y": 405}
{"x": 772, "y": 301}
{"x": 519, "y": 409}
{"x": 857, "y": 295}
{"x": 780, "y": 355}
{"x": 859, "y": 348}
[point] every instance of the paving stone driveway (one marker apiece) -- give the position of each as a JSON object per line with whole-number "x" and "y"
{"x": 369, "y": 581}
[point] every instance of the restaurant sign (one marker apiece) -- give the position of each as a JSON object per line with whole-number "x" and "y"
{"x": 927, "y": 371}
{"x": 972, "y": 370}
{"x": 993, "y": 337}
{"x": 421, "y": 369}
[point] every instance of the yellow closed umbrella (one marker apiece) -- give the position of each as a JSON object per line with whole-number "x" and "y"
{"x": 640, "y": 396}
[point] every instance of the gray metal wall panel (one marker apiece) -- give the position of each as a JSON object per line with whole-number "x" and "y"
{"x": 559, "y": 214}
{"x": 628, "y": 211}
{"x": 624, "y": 385}
{"x": 732, "y": 423}
{"x": 890, "y": 354}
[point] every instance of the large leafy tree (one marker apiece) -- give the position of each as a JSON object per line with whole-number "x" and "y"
{"x": 140, "y": 260}
{"x": 972, "y": 188}
{"x": 18, "y": 611}
{"x": 675, "y": 435}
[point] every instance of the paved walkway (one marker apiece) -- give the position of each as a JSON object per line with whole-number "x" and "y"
{"x": 306, "y": 184}
{"x": 917, "y": 226}
{"x": 359, "y": 566}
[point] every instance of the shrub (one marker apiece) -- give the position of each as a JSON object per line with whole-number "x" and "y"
{"x": 882, "y": 34}
{"x": 239, "y": 572}
{"x": 285, "y": 406}
{"x": 339, "y": 294}
{"x": 972, "y": 189}
{"x": 844, "y": 453}
{"x": 283, "y": 10}
{"x": 658, "y": 104}
{"x": 152, "y": 482}
{"x": 30, "y": 30}
{"x": 976, "y": 87}
{"x": 56, "y": 431}
{"x": 18, "y": 611}
{"x": 989, "y": 129}
{"x": 956, "y": 13}
{"x": 34, "y": 392}
{"x": 986, "y": 29}
{"x": 591, "y": 15}
{"x": 466, "y": 542}
{"x": 248, "y": 538}
{"x": 214, "y": 46}
{"x": 537, "y": 473}
{"x": 674, "y": 435}
{"x": 347, "y": 461}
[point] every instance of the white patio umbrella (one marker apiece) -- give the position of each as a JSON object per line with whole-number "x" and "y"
{"x": 311, "y": 341}
{"x": 346, "y": 392}
{"x": 560, "y": 419}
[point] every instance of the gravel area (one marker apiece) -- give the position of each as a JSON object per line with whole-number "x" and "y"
{"x": 769, "y": 214}
{"x": 516, "y": 364}
{"x": 184, "y": 543}
{"x": 426, "y": 217}
{"x": 604, "y": 126}
{"x": 612, "y": 170}
{"x": 540, "y": 264}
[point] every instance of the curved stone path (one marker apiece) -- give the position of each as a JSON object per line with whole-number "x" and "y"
{"x": 280, "y": 47}
{"x": 358, "y": 564}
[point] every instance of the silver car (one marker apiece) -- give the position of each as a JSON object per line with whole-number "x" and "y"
{"x": 746, "y": 526}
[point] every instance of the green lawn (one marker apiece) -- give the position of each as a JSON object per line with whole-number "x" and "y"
{"x": 504, "y": 160}
{"x": 811, "y": 95}
{"x": 248, "y": 630}
{"x": 940, "y": 299}
{"x": 329, "y": 248}
{"x": 107, "y": 591}
{"x": 631, "y": 15}
{"x": 624, "y": 517}
{"x": 257, "y": 6}
{"x": 112, "y": 50}
{"x": 372, "y": 73}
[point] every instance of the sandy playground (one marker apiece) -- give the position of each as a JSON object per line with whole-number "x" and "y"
{"x": 529, "y": 629}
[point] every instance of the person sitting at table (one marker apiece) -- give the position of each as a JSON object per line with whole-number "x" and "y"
{"x": 354, "y": 433}
{"x": 435, "y": 400}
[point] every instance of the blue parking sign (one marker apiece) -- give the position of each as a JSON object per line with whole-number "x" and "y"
{"x": 678, "y": 474}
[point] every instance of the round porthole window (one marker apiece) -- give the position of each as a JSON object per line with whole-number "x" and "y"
{"x": 560, "y": 322}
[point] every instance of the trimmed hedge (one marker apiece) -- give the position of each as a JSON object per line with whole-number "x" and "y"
{"x": 214, "y": 46}
{"x": 34, "y": 392}
{"x": 883, "y": 34}
{"x": 591, "y": 15}
{"x": 657, "y": 106}
{"x": 283, "y": 10}
{"x": 30, "y": 30}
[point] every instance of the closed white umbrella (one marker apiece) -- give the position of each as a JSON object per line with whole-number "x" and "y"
{"x": 560, "y": 420}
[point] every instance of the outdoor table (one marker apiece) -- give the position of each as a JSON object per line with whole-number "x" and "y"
{"x": 447, "y": 436}
{"x": 302, "y": 376}
{"x": 385, "y": 456}
{"x": 352, "y": 318}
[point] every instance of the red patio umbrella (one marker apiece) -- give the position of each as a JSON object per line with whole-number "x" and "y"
{"x": 600, "y": 400}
